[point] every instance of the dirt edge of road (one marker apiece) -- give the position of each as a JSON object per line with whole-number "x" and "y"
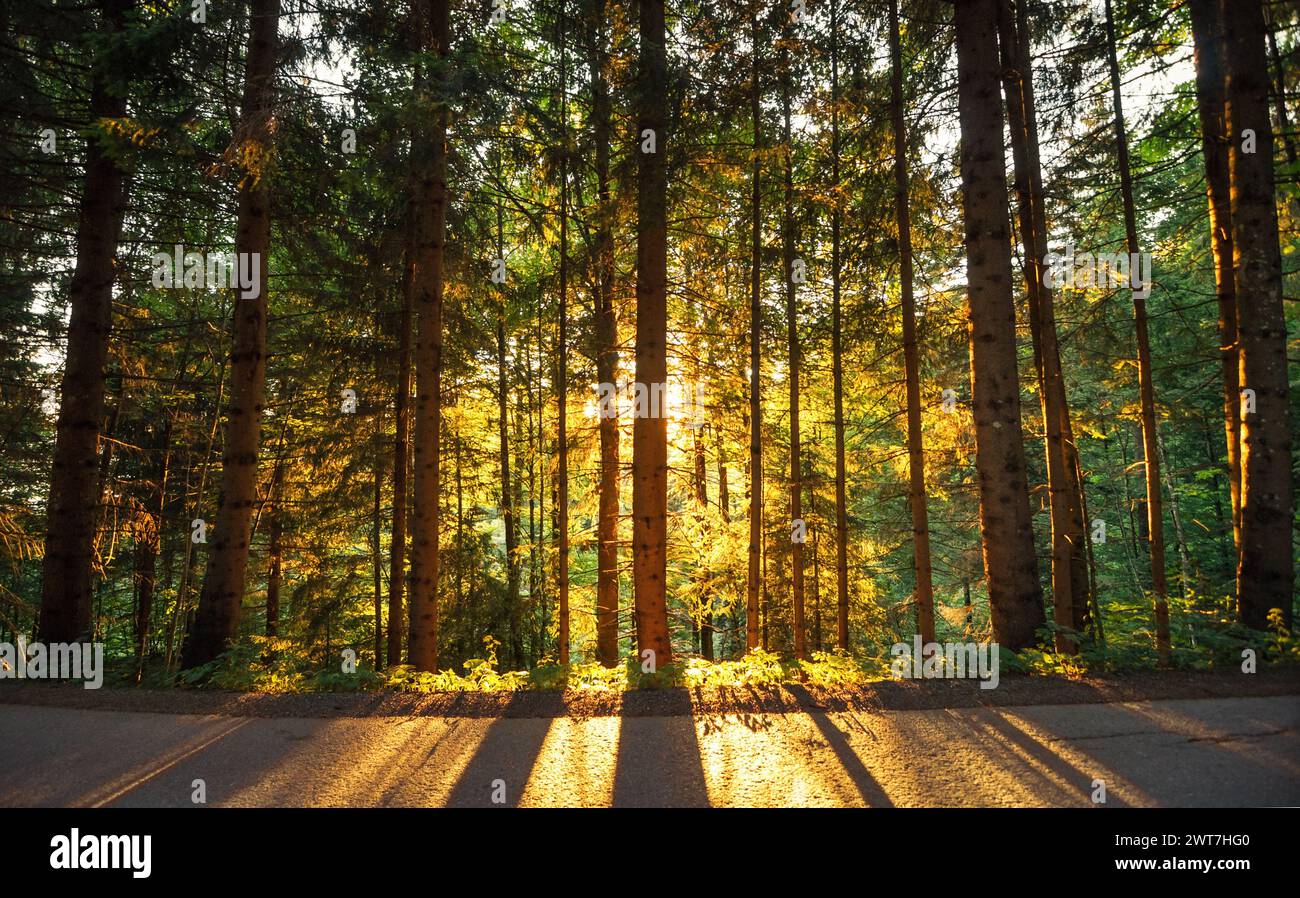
{"x": 893, "y": 696}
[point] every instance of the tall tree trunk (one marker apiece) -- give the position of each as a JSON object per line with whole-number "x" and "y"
{"x": 1068, "y": 572}
{"x": 507, "y": 502}
{"x": 1146, "y": 388}
{"x": 541, "y": 478}
{"x": 754, "y": 582}
{"x": 401, "y": 450}
{"x": 650, "y": 428}
{"x": 217, "y": 620}
{"x": 148, "y": 536}
{"x": 724, "y": 506}
{"x": 506, "y": 494}
{"x": 606, "y": 352}
{"x": 533, "y": 409}
{"x": 1082, "y": 588}
{"x": 1266, "y": 571}
{"x": 921, "y": 563}
{"x": 517, "y": 624}
{"x": 562, "y": 380}
{"x": 429, "y": 197}
{"x": 1207, "y": 33}
{"x": 700, "y": 483}
{"x": 458, "y": 446}
{"x": 1010, "y": 568}
{"x": 837, "y": 357}
{"x": 74, "y": 482}
{"x": 147, "y": 551}
{"x": 792, "y": 342}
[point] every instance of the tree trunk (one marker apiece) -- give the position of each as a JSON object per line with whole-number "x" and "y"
{"x": 650, "y": 428}
{"x": 754, "y": 582}
{"x": 507, "y": 503}
{"x": 911, "y": 357}
{"x": 606, "y": 352}
{"x": 700, "y": 483}
{"x": 1266, "y": 570}
{"x": 1010, "y": 568}
{"x": 792, "y": 342}
{"x": 1207, "y": 33}
{"x": 1146, "y": 389}
{"x": 506, "y": 496}
{"x": 562, "y": 381}
{"x": 1069, "y": 574}
{"x": 147, "y": 552}
{"x": 724, "y": 507}
{"x": 217, "y": 620}
{"x": 401, "y": 450}
{"x": 520, "y": 660}
{"x": 837, "y": 358}
{"x": 429, "y": 196}
{"x": 814, "y": 584}
{"x": 1082, "y": 588}
{"x": 74, "y": 480}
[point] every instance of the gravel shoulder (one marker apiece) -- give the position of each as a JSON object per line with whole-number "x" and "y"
{"x": 910, "y": 695}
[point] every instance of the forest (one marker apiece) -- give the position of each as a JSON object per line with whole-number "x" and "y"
{"x": 496, "y": 345}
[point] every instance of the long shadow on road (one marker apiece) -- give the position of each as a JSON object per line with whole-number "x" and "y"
{"x": 503, "y": 762}
{"x": 866, "y": 784}
{"x": 659, "y": 759}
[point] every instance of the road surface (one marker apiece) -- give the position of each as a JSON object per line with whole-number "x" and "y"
{"x": 1202, "y": 752}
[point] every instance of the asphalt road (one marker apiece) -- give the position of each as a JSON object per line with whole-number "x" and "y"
{"x": 1201, "y": 753}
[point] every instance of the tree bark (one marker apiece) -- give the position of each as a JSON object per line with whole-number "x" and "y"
{"x": 146, "y": 551}
{"x": 429, "y": 196}
{"x": 699, "y": 481}
{"x": 1010, "y": 568}
{"x": 1207, "y": 34}
{"x": 1146, "y": 388}
{"x": 507, "y": 506}
{"x": 792, "y": 343}
{"x": 921, "y": 563}
{"x": 216, "y": 622}
{"x": 1266, "y": 570}
{"x": 401, "y": 449}
{"x": 606, "y": 352}
{"x": 66, "y": 593}
{"x": 837, "y": 358}
{"x": 754, "y": 581}
{"x": 562, "y": 381}
{"x": 650, "y": 429}
{"x": 1068, "y": 570}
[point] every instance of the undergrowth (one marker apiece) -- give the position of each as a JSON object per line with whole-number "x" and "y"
{"x": 1205, "y": 637}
